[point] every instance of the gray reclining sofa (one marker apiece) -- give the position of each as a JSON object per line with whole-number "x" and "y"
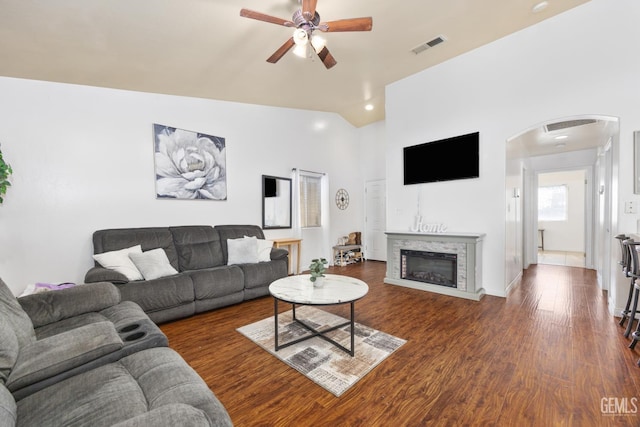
{"x": 81, "y": 356}
{"x": 199, "y": 253}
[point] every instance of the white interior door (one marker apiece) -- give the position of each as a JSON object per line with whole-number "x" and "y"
{"x": 375, "y": 241}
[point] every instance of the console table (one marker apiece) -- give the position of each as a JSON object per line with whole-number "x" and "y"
{"x": 289, "y": 243}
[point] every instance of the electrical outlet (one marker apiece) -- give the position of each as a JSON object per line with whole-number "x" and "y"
{"x": 631, "y": 207}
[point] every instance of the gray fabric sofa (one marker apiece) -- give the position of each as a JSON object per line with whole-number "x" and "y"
{"x": 199, "y": 253}
{"x": 81, "y": 356}
{"x": 55, "y": 335}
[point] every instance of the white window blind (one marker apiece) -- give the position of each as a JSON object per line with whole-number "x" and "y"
{"x": 310, "y": 200}
{"x": 552, "y": 203}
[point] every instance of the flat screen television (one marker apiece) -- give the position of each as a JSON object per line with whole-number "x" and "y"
{"x": 444, "y": 160}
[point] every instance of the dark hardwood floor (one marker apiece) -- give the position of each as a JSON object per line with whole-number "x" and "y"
{"x": 548, "y": 355}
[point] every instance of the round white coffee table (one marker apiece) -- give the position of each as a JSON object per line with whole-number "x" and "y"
{"x": 299, "y": 290}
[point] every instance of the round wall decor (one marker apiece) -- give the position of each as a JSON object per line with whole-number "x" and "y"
{"x": 342, "y": 199}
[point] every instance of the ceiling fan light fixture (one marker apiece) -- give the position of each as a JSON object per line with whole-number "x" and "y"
{"x": 300, "y": 37}
{"x": 301, "y": 50}
{"x": 318, "y": 42}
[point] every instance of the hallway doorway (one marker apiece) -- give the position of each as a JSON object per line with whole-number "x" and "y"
{"x": 568, "y": 143}
{"x": 561, "y": 209}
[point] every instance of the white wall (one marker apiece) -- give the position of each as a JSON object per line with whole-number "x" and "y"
{"x": 568, "y": 234}
{"x": 372, "y": 151}
{"x": 583, "y": 61}
{"x": 83, "y": 160}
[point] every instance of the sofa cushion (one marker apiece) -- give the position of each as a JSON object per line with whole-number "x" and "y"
{"x": 8, "y": 350}
{"x": 68, "y": 324}
{"x": 147, "y": 237}
{"x": 158, "y": 294}
{"x": 262, "y": 274}
{"x": 198, "y": 247}
{"x": 153, "y": 264}
{"x": 50, "y": 307}
{"x": 242, "y": 251}
{"x": 217, "y": 282}
{"x": 8, "y": 416}
{"x": 123, "y": 390}
{"x": 15, "y": 316}
{"x": 51, "y": 356}
{"x": 119, "y": 261}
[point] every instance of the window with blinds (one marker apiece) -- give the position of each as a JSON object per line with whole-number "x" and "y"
{"x": 310, "y": 201}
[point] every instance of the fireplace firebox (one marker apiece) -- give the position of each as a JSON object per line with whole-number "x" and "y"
{"x": 429, "y": 267}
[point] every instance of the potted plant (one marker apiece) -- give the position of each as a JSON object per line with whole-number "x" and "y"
{"x": 5, "y": 172}
{"x": 317, "y": 268}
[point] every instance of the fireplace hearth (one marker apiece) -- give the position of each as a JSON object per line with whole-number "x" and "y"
{"x": 429, "y": 267}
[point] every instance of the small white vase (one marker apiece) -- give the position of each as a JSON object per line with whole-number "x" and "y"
{"x": 318, "y": 283}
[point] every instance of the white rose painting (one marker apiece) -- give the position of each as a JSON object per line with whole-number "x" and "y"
{"x": 189, "y": 165}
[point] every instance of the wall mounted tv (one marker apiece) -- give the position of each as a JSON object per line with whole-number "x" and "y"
{"x": 444, "y": 160}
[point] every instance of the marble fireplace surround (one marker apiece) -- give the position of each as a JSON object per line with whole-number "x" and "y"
{"x": 467, "y": 247}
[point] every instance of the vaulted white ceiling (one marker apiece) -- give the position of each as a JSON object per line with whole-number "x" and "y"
{"x": 203, "y": 48}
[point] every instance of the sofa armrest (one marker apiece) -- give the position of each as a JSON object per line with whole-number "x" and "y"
{"x": 101, "y": 274}
{"x": 279, "y": 253}
{"x": 48, "y": 307}
{"x": 51, "y": 356}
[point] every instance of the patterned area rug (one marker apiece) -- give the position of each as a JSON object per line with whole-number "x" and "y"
{"x": 319, "y": 360}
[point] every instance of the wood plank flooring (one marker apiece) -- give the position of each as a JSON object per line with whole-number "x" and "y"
{"x": 548, "y": 355}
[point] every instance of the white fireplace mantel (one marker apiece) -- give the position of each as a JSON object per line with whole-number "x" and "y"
{"x": 467, "y": 247}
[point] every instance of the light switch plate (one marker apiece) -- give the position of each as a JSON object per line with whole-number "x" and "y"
{"x": 631, "y": 207}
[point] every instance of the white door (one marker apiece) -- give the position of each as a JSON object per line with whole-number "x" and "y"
{"x": 375, "y": 241}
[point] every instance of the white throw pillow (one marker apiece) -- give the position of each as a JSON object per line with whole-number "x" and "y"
{"x": 153, "y": 264}
{"x": 263, "y": 247}
{"x": 242, "y": 251}
{"x": 264, "y": 250}
{"x": 120, "y": 262}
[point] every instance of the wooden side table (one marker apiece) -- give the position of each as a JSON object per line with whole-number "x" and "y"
{"x": 289, "y": 243}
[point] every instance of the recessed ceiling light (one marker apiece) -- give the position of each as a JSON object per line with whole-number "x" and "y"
{"x": 562, "y": 137}
{"x": 539, "y": 7}
{"x": 368, "y": 107}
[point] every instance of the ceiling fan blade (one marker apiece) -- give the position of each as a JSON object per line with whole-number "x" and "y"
{"x": 309, "y": 9}
{"x": 327, "y": 59}
{"x": 266, "y": 18}
{"x": 353, "y": 24}
{"x": 281, "y": 51}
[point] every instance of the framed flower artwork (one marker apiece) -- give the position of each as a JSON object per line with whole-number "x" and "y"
{"x": 189, "y": 165}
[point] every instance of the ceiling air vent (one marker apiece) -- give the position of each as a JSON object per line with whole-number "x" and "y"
{"x": 427, "y": 45}
{"x": 568, "y": 124}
